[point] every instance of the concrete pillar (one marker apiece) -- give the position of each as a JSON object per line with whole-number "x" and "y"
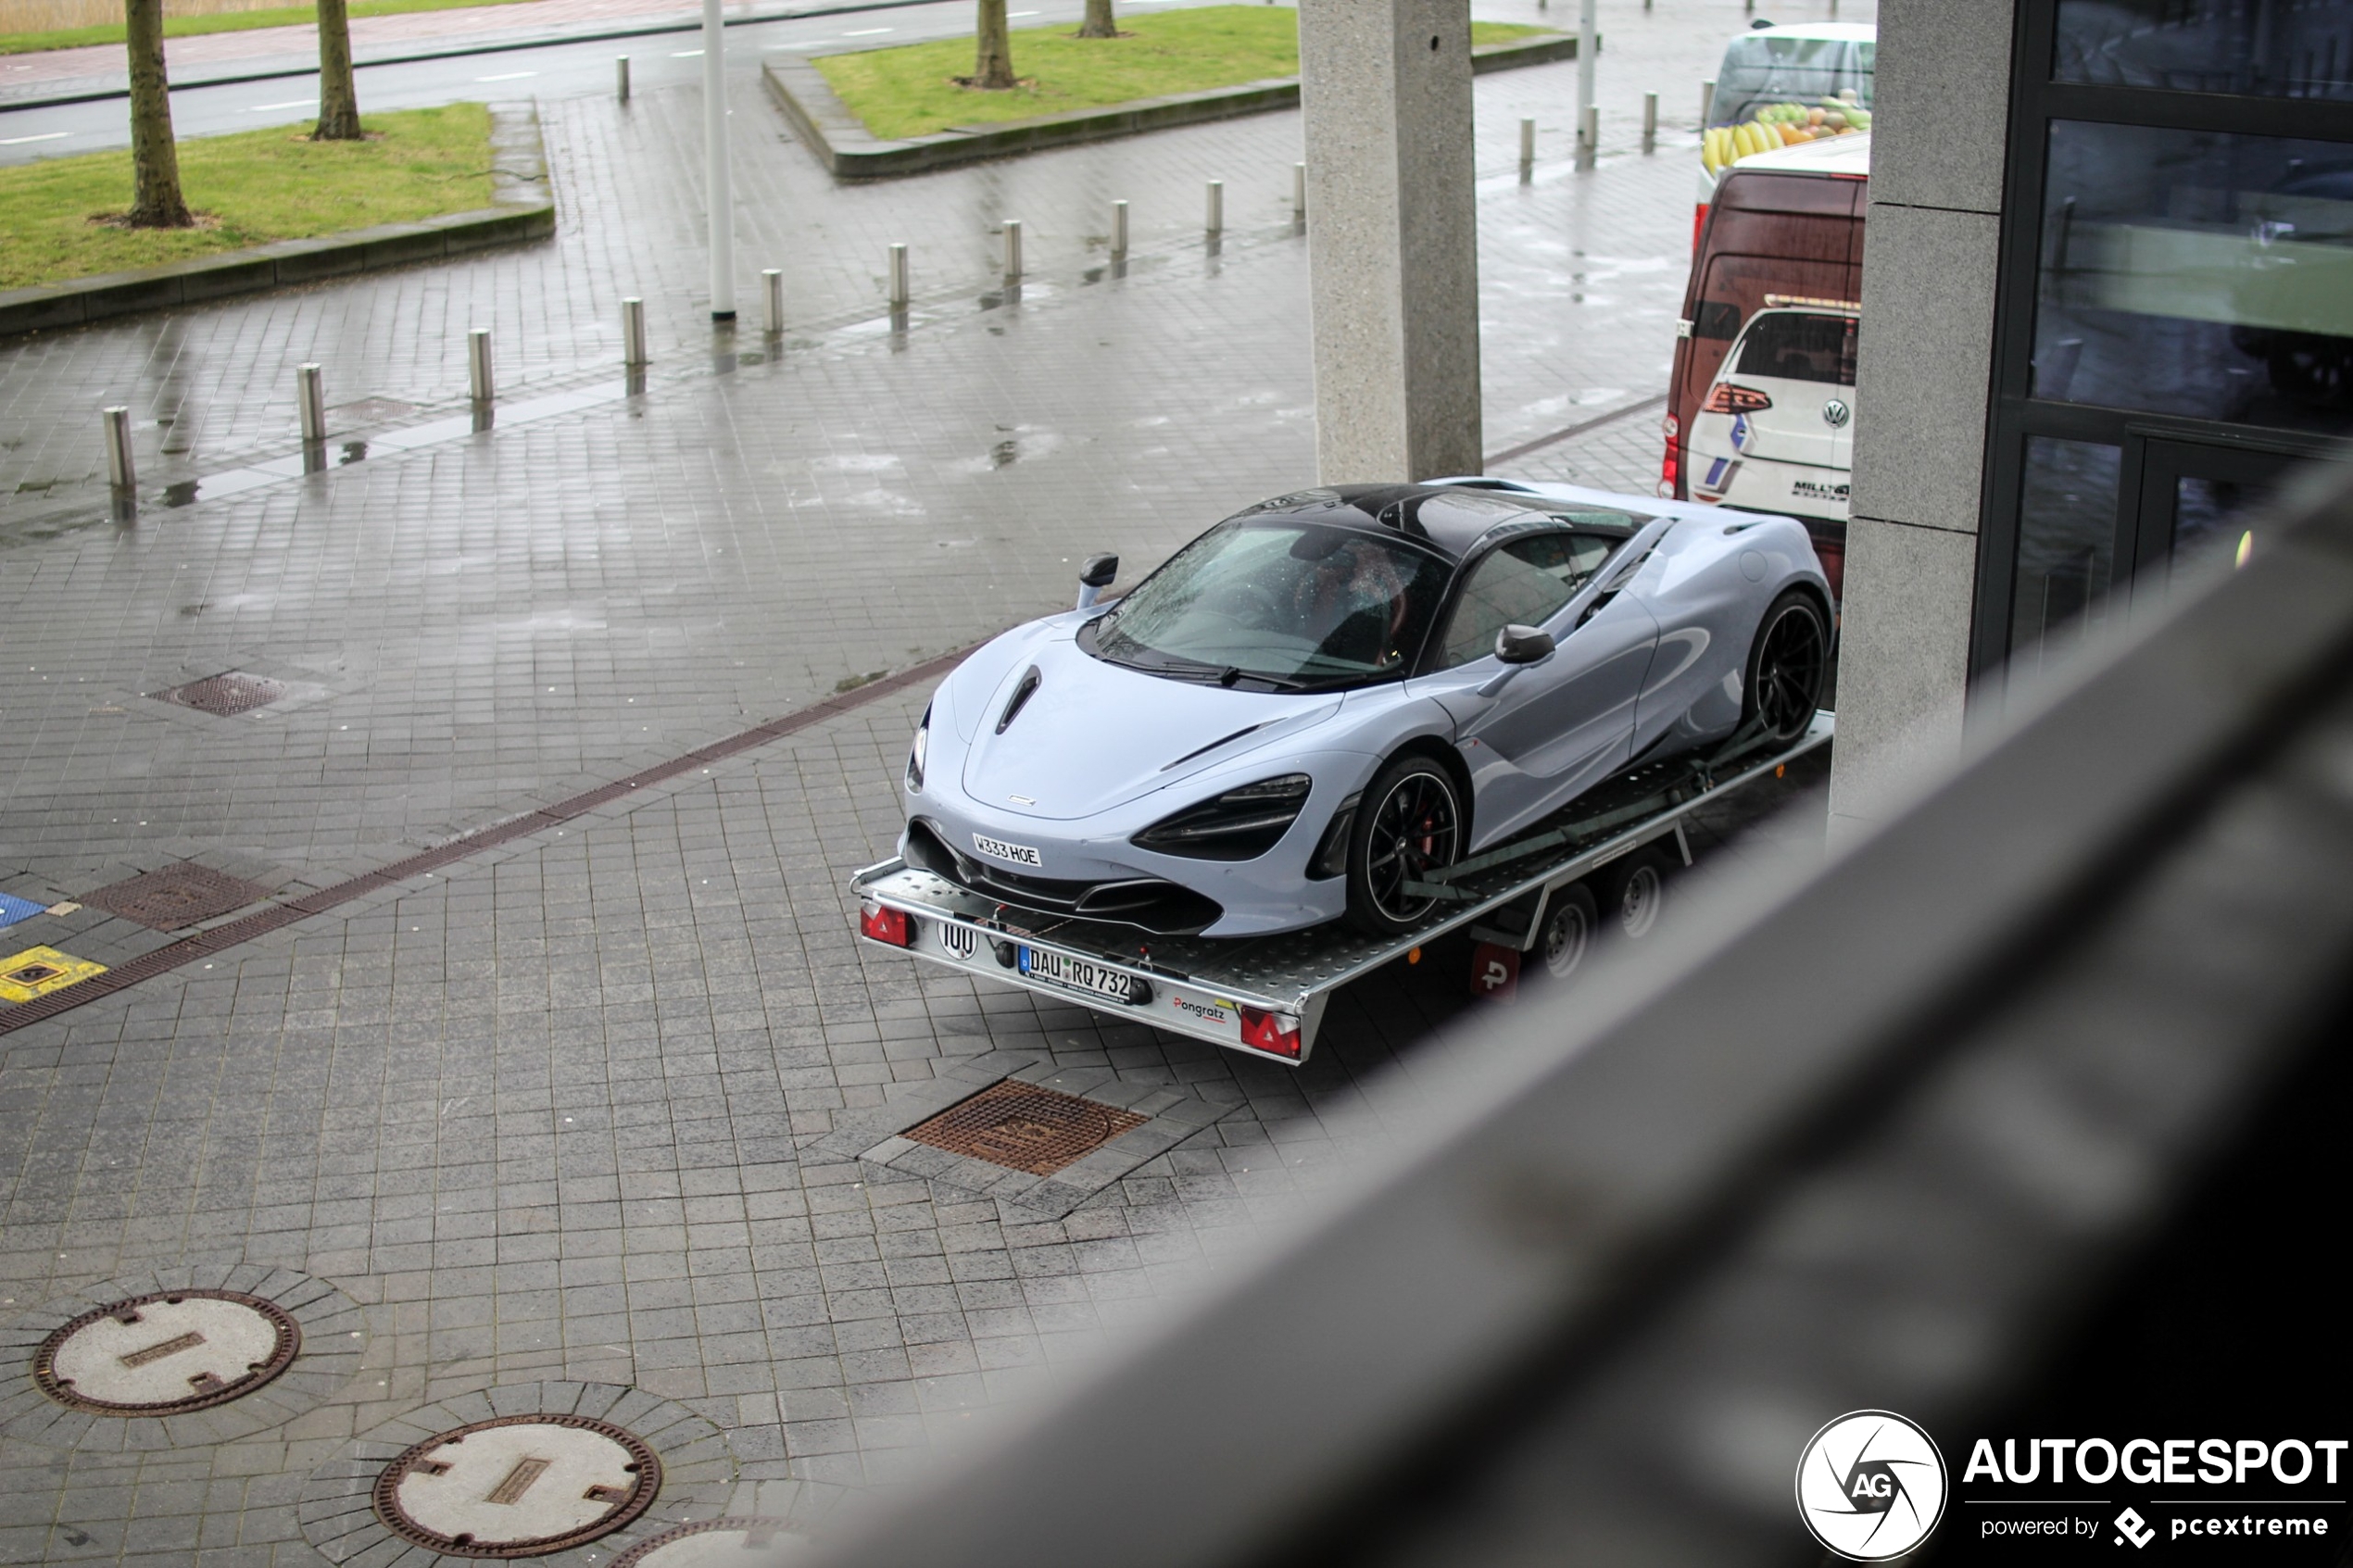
{"x": 1393, "y": 250}
{"x": 1940, "y": 132}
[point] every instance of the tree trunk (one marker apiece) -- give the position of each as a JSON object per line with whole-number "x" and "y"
{"x": 993, "y": 67}
{"x": 154, "y": 157}
{"x": 1098, "y": 22}
{"x": 338, "y": 97}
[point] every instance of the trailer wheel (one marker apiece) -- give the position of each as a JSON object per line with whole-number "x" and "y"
{"x": 1410, "y": 822}
{"x": 1634, "y": 894}
{"x": 1568, "y": 929}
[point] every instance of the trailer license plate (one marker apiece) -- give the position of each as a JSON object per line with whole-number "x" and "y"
{"x": 1074, "y": 974}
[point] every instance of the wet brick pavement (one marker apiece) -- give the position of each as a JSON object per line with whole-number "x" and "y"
{"x": 552, "y": 1115}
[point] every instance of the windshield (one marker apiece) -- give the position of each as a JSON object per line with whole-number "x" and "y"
{"x": 1278, "y": 603}
{"x": 1767, "y": 77}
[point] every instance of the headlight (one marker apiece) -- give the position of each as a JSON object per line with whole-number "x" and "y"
{"x": 916, "y": 757}
{"x": 1241, "y": 824}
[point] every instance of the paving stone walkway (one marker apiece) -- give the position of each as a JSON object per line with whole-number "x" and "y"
{"x": 576, "y": 1114}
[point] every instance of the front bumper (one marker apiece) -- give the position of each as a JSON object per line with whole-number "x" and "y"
{"x": 1086, "y": 867}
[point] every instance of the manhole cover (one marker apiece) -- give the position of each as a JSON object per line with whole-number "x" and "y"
{"x": 1024, "y": 1127}
{"x": 706, "y": 1543}
{"x": 518, "y": 1486}
{"x": 165, "y": 1354}
{"x": 175, "y": 896}
{"x": 226, "y": 694}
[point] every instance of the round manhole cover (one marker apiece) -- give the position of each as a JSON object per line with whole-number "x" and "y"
{"x": 706, "y": 1543}
{"x": 166, "y": 1353}
{"x": 518, "y": 1486}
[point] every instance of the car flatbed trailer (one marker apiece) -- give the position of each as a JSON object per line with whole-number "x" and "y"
{"x": 1264, "y": 995}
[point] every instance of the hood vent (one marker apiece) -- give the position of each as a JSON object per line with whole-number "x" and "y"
{"x": 1023, "y": 691}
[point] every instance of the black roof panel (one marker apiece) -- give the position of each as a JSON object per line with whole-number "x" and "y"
{"x": 1450, "y": 520}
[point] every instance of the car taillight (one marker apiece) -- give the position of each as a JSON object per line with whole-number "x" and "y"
{"x": 1726, "y": 399}
{"x": 1273, "y": 1032}
{"x": 1671, "y": 465}
{"x": 886, "y": 924}
{"x": 1699, "y": 218}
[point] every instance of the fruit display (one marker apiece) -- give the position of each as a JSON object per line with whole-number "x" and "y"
{"x": 1783, "y": 125}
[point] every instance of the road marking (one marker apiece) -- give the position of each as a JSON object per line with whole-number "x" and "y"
{"x": 44, "y": 136}
{"x": 867, "y": 32}
{"x": 507, "y": 76}
{"x": 1011, "y": 14}
{"x": 685, "y": 54}
{"x": 289, "y": 104}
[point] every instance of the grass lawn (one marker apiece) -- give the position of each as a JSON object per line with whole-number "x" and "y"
{"x": 255, "y": 186}
{"x": 910, "y": 91}
{"x": 226, "y": 21}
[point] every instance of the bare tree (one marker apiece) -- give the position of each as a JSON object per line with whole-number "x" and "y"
{"x": 1098, "y": 22}
{"x": 338, "y": 95}
{"x": 993, "y": 65}
{"x": 154, "y": 157}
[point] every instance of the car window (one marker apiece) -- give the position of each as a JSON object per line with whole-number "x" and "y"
{"x": 1797, "y": 346}
{"x": 1525, "y": 583}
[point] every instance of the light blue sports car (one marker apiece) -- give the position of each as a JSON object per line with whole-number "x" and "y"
{"x": 1329, "y": 695}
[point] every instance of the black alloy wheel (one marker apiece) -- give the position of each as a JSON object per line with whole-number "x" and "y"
{"x": 1785, "y": 666}
{"x": 1410, "y": 825}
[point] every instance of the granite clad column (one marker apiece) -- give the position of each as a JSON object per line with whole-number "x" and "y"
{"x": 1392, "y": 237}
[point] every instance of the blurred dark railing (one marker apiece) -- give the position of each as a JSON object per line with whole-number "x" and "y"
{"x": 1974, "y": 1121}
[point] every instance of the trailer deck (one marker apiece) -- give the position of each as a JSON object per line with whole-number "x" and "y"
{"x": 1266, "y": 994}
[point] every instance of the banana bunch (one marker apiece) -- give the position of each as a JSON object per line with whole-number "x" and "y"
{"x": 1782, "y": 125}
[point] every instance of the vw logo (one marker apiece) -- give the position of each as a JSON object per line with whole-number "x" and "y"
{"x": 1835, "y": 413}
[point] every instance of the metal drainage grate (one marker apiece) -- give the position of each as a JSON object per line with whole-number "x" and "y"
{"x": 522, "y": 1486}
{"x": 1024, "y": 1127}
{"x": 166, "y": 1353}
{"x": 225, "y": 693}
{"x": 746, "y": 1534}
{"x": 175, "y": 896}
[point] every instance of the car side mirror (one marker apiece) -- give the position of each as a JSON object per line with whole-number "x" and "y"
{"x": 1522, "y": 645}
{"x": 1094, "y": 577}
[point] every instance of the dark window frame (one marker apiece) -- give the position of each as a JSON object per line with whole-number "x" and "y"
{"x": 2012, "y": 415}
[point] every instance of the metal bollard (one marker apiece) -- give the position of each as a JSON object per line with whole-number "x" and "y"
{"x": 633, "y": 331}
{"x": 1706, "y": 102}
{"x": 898, "y": 276}
{"x": 1650, "y": 120}
{"x": 115, "y": 423}
{"x": 774, "y": 293}
{"x": 620, "y": 71}
{"x": 478, "y": 363}
{"x": 1589, "y": 135}
{"x": 1526, "y": 147}
{"x": 1013, "y": 250}
{"x": 1216, "y": 216}
{"x": 1119, "y": 231}
{"x": 1299, "y": 192}
{"x": 310, "y": 402}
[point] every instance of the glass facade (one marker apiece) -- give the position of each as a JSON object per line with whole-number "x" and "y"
{"x": 2174, "y": 312}
{"x": 2197, "y": 273}
{"x": 2270, "y": 48}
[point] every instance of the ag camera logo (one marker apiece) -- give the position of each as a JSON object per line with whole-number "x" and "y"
{"x": 1870, "y": 1485}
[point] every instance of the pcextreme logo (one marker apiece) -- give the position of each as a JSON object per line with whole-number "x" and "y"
{"x": 1870, "y": 1485}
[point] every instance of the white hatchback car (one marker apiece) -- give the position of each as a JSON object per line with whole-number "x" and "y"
{"x": 1775, "y": 431}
